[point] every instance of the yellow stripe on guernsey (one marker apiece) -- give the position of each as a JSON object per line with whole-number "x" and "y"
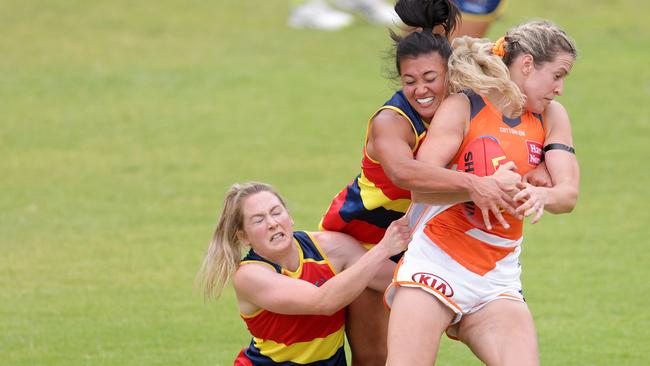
{"x": 320, "y": 250}
{"x": 400, "y": 112}
{"x": 373, "y": 197}
{"x": 302, "y": 352}
{"x": 301, "y": 255}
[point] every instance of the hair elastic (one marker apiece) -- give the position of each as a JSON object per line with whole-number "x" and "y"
{"x": 499, "y": 48}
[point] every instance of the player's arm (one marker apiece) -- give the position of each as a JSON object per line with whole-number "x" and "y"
{"x": 562, "y": 166}
{"x": 259, "y": 286}
{"x": 390, "y": 141}
{"x": 343, "y": 251}
{"x": 538, "y": 176}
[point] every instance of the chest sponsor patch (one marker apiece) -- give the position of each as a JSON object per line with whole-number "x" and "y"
{"x": 534, "y": 152}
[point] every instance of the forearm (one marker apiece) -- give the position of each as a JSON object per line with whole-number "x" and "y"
{"x": 417, "y": 176}
{"x": 441, "y": 199}
{"x": 561, "y": 198}
{"x": 346, "y": 286}
{"x": 383, "y": 277}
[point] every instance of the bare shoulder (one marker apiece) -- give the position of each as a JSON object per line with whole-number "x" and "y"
{"x": 456, "y": 100}
{"x": 556, "y": 112}
{"x": 557, "y": 123}
{"x": 387, "y": 116}
{"x": 341, "y": 249}
{"x": 247, "y": 274}
{"x": 331, "y": 240}
{"x": 390, "y": 120}
{"x": 455, "y": 107}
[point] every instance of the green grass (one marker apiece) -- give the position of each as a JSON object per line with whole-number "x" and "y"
{"x": 123, "y": 123}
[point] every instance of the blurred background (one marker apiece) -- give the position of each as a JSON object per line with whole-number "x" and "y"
{"x": 123, "y": 123}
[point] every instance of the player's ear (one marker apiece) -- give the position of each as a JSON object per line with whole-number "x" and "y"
{"x": 241, "y": 235}
{"x": 527, "y": 64}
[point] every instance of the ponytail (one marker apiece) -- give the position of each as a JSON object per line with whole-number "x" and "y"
{"x": 428, "y": 16}
{"x": 474, "y": 66}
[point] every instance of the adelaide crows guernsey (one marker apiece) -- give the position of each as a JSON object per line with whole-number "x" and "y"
{"x": 367, "y": 206}
{"x": 287, "y": 340}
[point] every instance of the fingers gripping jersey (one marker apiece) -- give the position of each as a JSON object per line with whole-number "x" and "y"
{"x": 367, "y": 206}
{"x": 287, "y": 340}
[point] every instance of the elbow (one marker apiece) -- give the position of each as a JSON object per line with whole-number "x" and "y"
{"x": 325, "y": 305}
{"x": 326, "y": 308}
{"x": 562, "y": 209}
{"x": 567, "y": 204}
{"x": 400, "y": 179}
{"x": 571, "y": 201}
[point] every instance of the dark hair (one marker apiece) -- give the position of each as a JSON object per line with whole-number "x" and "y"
{"x": 428, "y": 15}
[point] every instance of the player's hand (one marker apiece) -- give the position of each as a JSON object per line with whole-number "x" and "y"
{"x": 492, "y": 193}
{"x": 396, "y": 238}
{"x": 507, "y": 177}
{"x": 535, "y": 199}
{"x": 539, "y": 176}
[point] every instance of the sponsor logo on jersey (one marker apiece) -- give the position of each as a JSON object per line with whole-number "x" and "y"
{"x": 534, "y": 152}
{"x": 512, "y": 131}
{"x": 435, "y": 282}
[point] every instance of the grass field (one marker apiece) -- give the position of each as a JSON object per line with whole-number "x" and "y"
{"x": 123, "y": 123}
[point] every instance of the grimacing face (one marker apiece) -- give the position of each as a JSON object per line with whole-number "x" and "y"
{"x": 424, "y": 82}
{"x": 546, "y": 81}
{"x": 267, "y": 225}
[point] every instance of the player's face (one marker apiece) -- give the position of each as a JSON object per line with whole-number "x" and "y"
{"x": 267, "y": 224}
{"x": 546, "y": 81}
{"x": 424, "y": 82}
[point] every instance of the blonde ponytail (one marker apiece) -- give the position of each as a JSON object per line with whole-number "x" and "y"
{"x": 473, "y": 66}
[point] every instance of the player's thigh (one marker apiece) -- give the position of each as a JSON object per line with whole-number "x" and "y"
{"x": 366, "y": 329}
{"x": 417, "y": 321}
{"x": 501, "y": 333}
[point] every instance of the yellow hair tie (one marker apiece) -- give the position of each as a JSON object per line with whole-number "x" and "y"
{"x": 499, "y": 48}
